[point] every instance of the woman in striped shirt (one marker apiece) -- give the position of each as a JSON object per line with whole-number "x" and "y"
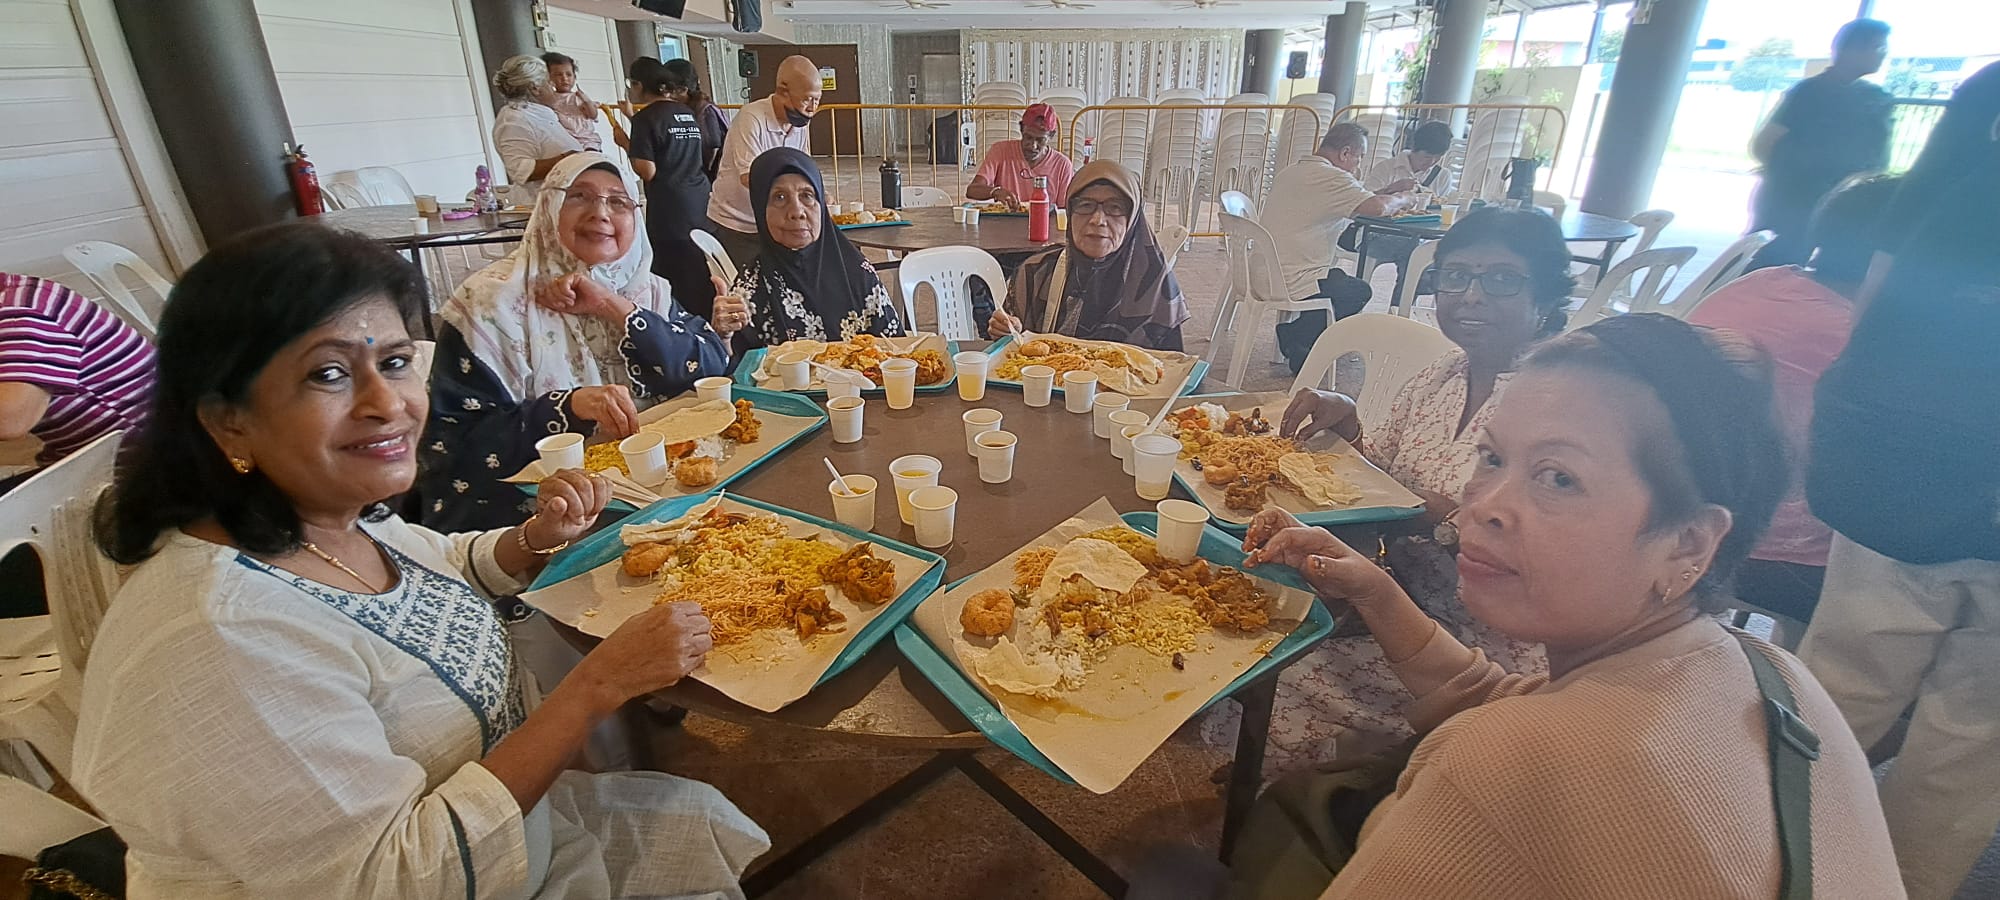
{"x": 70, "y": 372}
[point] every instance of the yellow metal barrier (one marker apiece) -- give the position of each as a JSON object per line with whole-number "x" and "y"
{"x": 1498, "y": 132}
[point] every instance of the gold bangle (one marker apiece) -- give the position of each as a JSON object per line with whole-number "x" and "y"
{"x": 521, "y": 540}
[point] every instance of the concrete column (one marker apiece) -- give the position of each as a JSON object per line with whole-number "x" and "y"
{"x": 208, "y": 79}
{"x": 1639, "y": 114}
{"x": 1454, "y": 55}
{"x": 635, "y": 39}
{"x": 1263, "y": 61}
{"x": 1341, "y": 59}
{"x": 505, "y": 28}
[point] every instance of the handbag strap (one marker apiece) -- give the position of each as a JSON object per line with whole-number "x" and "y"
{"x": 1058, "y": 283}
{"x": 1794, "y": 747}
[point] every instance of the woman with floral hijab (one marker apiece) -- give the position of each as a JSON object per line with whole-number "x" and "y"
{"x": 570, "y": 333}
{"x": 810, "y": 280}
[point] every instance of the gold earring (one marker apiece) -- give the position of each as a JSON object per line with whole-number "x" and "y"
{"x": 241, "y": 465}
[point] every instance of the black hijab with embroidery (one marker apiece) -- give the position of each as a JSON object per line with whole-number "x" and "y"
{"x": 837, "y": 283}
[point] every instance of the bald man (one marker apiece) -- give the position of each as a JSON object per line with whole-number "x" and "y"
{"x": 776, "y": 121}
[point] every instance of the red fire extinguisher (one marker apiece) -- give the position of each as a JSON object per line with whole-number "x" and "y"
{"x": 305, "y": 181}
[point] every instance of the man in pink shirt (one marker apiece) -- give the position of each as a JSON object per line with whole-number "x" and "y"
{"x": 1010, "y": 168}
{"x": 1801, "y": 317}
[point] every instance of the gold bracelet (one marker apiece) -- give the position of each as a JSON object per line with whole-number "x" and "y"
{"x": 521, "y": 540}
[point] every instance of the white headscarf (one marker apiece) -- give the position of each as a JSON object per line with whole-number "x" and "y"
{"x": 534, "y": 350}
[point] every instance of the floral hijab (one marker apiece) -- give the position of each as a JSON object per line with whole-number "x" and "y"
{"x": 533, "y": 350}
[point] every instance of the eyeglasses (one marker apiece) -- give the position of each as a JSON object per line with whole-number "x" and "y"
{"x": 617, "y": 203}
{"x": 1112, "y": 209}
{"x": 1497, "y": 283}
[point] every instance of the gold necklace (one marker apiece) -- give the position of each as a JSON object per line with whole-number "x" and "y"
{"x": 335, "y": 561}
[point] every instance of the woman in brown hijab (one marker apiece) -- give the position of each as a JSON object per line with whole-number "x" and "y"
{"x": 1110, "y": 282}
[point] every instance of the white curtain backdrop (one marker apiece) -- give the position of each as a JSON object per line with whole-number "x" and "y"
{"x": 1107, "y": 63}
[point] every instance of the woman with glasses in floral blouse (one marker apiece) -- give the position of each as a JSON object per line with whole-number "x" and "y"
{"x": 1502, "y": 281}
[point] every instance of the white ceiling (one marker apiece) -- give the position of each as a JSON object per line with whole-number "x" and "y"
{"x": 1037, "y": 14}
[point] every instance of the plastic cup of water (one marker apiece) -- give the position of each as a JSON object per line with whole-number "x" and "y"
{"x": 908, "y": 473}
{"x": 935, "y": 508}
{"x": 899, "y": 381}
{"x": 971, "y": 374}
{"x": 1153, "y": 458}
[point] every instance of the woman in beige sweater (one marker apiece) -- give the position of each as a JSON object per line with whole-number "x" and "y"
{"x": 1627, "y": 471}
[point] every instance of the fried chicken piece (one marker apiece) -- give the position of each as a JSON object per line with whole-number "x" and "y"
{"x": 987, "y": 614}
{"x": 1246, "y": 494}
{"x": 645, "y": 559}
{"x": 746, "y": 429}
{"x": 695, "y": 471}
{"x": 812, "y": 613}
{"x": 1219, "y": 474}
{"x": 861, "y": 576}
{"x": 1037, "y": 348}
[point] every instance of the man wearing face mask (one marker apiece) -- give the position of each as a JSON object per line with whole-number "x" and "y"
{"x": 1308, "y": 206}
{"x": 779, "y": 120}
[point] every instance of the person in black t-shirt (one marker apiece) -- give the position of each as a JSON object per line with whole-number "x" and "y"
{"x": 684, "y": 87}
{"x": 667, "y": 154}
{"x": 1827, "y": 127}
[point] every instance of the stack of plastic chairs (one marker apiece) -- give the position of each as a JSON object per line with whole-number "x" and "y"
{"x": 1067, "y": 102}
{"x": 1495, "y": 138}
{"x": 1382, "y": 129}
{"x": 997, "y": 125}
{"x": 1122, "y": 135}
{"x": 1173, "y": 159}
{"x": 1299, "y": 132}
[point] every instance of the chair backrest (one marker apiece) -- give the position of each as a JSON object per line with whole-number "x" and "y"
{"x": 1659, "y": 267}
{"x": 1392, "y": 349}
{"x": 373, "y": 186}
{"x": 1299, "y": 133}
{"x": 1254, "y": 273}
{"x": 1722, "y": 271}
{"x": 922, "y": 196}
{"x": 1651, "y": 222}
{"x": 1420, "y": 259}
{"x": 947, "y": 270}
{"x": 341, "y": 195}
{"x": 37, "y": 819}
{"x": 52, "y": 513}
{"x": 1173, "y": 238}
{"x": 1551, "y": 201}
{"x": 1237, "y": 203}
{"x": 100, "y": 261}
{"x": 719, "y": 264}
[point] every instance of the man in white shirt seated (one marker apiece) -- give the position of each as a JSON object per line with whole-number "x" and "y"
{"x": 779, "y": 120}
{"x": 526, "y": 133}
{"x": 1308, "y": 206}
{"x": 1420, "y": 169}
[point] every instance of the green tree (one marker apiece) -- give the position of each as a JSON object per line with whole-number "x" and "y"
{"x": 1768, "y": 66}
{"x": 1902, "y": 81}
{"x": 1609, "y": 45}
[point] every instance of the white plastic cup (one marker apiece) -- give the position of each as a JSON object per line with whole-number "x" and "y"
{"x": 844, "y": 414}
{"x": 856, "y": 207}
{"x": 1126, "y": 435}
{"x": 899, "y": 380}
{"x": 795, "y": 371}
{"x": 1079, "y": 391}
{"x": 560, "y": 451}
{"x": 646, "y": 455}
{"x": 1153, "y": 458}
{"x": 1037, "y": 383}
{"x": 844, "y": 384}
{"x": 1180, "y": 528}
{"x": 971, "y": 374}
{"x": 978, "y": 422}
{"x": 1062, "y": 220}
{"x": 1101, "y": 409}
{"x": 936, "y": 510}
{"x": 854, "y": 501}
{"x": 714, "y": 387}
{"x": 958, "y": 214}
{"x": 972, "y": 215}
{"x": 996, "y": 456}
{"x": 908, "y": 473}
{"x": 1447, "y": 216}
{"x": 1121, "y": 443}
{"x": 420, "y": 225}
{"x": 427, "y": 204}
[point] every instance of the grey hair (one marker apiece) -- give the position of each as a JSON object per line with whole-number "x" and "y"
{"x": 520, "y": 77}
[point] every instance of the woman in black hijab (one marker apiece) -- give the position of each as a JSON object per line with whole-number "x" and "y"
{"x": 809, "y": 281}
{"x": 1110, "y": 282}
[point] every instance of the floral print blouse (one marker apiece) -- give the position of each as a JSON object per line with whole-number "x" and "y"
{"x": 780, "y": 313}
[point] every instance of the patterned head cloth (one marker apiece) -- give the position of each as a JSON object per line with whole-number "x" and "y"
{"x": 1040, "y": 115}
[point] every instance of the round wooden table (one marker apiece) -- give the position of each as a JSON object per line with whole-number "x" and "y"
{"x": 1006, "y": 237}
{"x": 391, "y": 225}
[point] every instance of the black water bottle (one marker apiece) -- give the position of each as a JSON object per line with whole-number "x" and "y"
{"x": 892, "y": 185}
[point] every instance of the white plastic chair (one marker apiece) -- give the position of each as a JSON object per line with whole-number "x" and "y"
{"x": 1236, "y": 203}
{"x": 1724, "y": 270}
{"x": 1651, "y": 223}
{"x": 1413, "y": 271}
{"x": 1551, "y": 201}
{"x": 1658, "y": 267}
{"x": 1122, "y": 134}
{"x": 948, "y": 270}
{"x": 1256, "y": 284}
{"x": 923, "y": 196}
{"x": 1392, "y": 350}
{"x": 1067, "y": 103}
{"x": 100, "y": 261}
{"x": 1173, "y": 239}
{"x": 42, "y": 658}
{"x": 37, "y": 820}
{"x": 719, "y": 264}
{"x": 374, "y": 186}
{"x": 1299, "y": 133}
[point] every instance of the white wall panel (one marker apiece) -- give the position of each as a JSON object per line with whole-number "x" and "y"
{"x": 379, "y": 83}
{"x": 63, "y": 176}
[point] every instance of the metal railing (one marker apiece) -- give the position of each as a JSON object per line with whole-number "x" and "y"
{"x": 1495, "y": 133}
{"x": 1910, "y": 126}
{"x": 1188, "y": 154}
